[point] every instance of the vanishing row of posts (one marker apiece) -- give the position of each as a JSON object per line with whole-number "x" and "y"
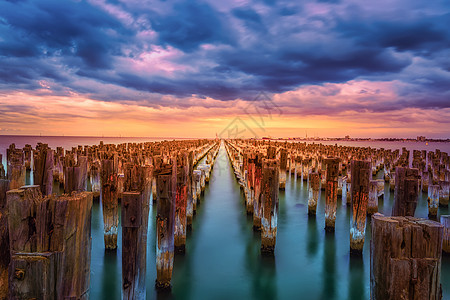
{"x": 45, "y": 238}
{"x": 405, "y": 251}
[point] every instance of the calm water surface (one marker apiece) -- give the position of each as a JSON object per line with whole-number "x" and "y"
{"x": 223, "y": 261}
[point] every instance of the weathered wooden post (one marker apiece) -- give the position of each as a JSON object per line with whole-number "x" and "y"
{"x": 16, "y": 174}
{"x": 95, "y": 178}
{"x": 76, "y": 269}
{"x": 406, "y": 191}
{"x": 314, "y": 191}
{"x": 444, "y": 193}
{"x": 43, "y": 169}
{"x": 283, "y": 165}
{"x": 331, "y": 192}
{"x": 135, "y": 208}
{"x": 110, "y": 203}
{"x": 405, "y": 260}
{"x": 50, "y": 244}
{"x": 191, "y": 192}
{"x": 269, "y": 200}
{"x": 433, "y": 200}
{"x": 75, "y": 177}
{"x": 257, "y": 205}
{"x": 361, "y": 171}
{"x": 165, "y": 224}
{"x": 372, "y": 205}
{"x": 181, "y": 202}
{"x": 4, "y": 240}
{"x": 251, "y": 169}
{"x": 131, "y": 208}
{"x": 445, "y": 221}
{"x": 196, "y": 189}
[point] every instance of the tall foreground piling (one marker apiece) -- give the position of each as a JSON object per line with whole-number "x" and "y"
{"x": 405, "y": 261}
{"x": 4, "y": 240}
{"x": 181, "y": 202}
{"x": 406, "y": 191}
{"x": 110, "y": 203}
{"x": 135, "y": 208}
{"x": 166, "y": 181}
{"x": 50, "y": 244}
{"x": 269, "y": 200}
{"x": 257, "y": 205}
{"x": 331, "y": 192}
{"x": 361, "y": 171}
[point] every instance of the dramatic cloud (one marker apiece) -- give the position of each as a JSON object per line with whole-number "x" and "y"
{"x": 314, "y": 58}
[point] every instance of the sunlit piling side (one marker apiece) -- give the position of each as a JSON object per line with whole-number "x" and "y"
{"x": 313, "y": 192}
{"x": 165, "y": 224}
{"x": 110, "y": 203}
{"x": 361, "y": 173}
{"x": 433, "y": 200}
{"x": 257, "y": 204}
{"x": 181, "y": 202}
{"x": 283, "y": 168}
{"x": 332, "y": 173}
{"x": 270, "y": 187}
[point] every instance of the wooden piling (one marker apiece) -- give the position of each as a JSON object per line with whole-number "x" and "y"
{"x": 283, "y": 166}
{"x": 445, "y": 221}
{"x": 433, "y": 200}
{"x": 361, "y": 171}
{"x": 191, "y": 192}
{"x": 181, "y": 202}
{"x": 50, "y": 244}
{"x": 165, "y": 224}
{"x": 313, "y": 191}
{"x": 257, "y": 205}
{"x": 43, "y": 169}
{"x": 110, "y": 203}
{"x": 405, "y": 259}
{"x": 406, "y": 191}
{"x": 332, "y": 174}
{"x": 372, "y": 205}
{"x": 270, "y": 187}
{"x": 134, "y": 215}
{"x": 444, "y": 192}
{"x": 4, "y": 240}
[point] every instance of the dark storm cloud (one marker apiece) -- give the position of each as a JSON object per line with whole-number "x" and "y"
{"x": 224, "y": 50}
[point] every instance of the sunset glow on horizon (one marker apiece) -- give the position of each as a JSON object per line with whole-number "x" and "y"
{"x": 205, "y": 68}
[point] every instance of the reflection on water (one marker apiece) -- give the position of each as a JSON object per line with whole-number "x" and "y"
{"x": 329, "y": 267}
{"x": 110, "y": 281}
{"x": 312, "y": 237}
{"x": 356, "y": 283}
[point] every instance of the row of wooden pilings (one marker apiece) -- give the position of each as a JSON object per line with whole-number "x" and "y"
{"x": 45, "y": 239}
{"x": 405, "y": 251}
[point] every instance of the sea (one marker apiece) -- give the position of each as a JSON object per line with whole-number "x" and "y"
{"x": 223, "y": 260}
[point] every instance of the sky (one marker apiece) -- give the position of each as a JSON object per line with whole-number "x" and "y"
{"x": 228, "y": 68}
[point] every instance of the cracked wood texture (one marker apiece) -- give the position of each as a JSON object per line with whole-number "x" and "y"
{"x": 405, "y": 261}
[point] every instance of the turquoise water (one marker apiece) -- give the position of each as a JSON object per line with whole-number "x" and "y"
{"x": 223, "y": 261}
